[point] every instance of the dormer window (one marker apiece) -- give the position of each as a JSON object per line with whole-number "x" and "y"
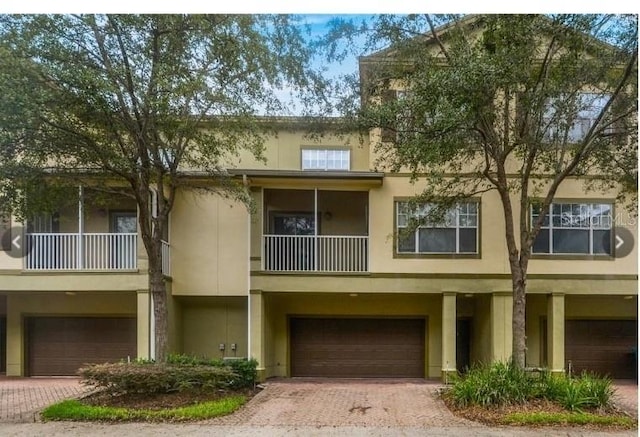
{"x": 326, "y": 159}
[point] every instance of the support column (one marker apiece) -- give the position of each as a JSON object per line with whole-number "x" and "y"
{"x": 315, "y": 229}
{"x": 448, "y": 334}
{"x": 15, "y": 338}
{"x": 501, "y": 325}
{"x": 143, "y": 324}
{"x": 555, "y": 332}
{"x": 256, "y": 315}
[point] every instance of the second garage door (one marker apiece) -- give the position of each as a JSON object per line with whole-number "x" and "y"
{"x": 60, "y": 345}
{"x": 602, "y": 346}
{"x": 358, "y": 347}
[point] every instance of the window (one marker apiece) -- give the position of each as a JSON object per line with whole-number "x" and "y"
{"x": 574, "y": 119}
{"x": 574, "y": 228}
{"x": 125, "y": 222}
{"x": 285, "y": 223}
{"x": 456, "y": 232}
{"x": 405, "y": 129}
{"x": 326, "y": 159}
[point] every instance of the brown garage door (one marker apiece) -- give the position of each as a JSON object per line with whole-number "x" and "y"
{"x": 346, "y": 348}
{"x": 602, "y": 346}
{"x": 60, "y": 345}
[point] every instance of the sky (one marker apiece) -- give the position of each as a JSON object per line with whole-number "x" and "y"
{"x": 318, "y": 14}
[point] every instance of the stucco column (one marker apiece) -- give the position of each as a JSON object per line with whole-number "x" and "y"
{"x": 555, "y": 332}
{"x": 501, "y": 325}
{"x": 15, "y": 338}
{"x": 256, "y": 230}
{"x": 448, "y": 334}
{"x": 256, "y": 314}
{"x": 142, "y": 324}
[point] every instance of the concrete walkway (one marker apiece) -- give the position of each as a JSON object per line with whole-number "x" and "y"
{"x": 68, "y": 429}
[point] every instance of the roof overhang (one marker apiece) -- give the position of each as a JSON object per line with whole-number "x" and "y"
{"x": 307, "y": 178}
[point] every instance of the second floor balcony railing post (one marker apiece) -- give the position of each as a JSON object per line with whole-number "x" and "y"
{"x": 80, "y": 261}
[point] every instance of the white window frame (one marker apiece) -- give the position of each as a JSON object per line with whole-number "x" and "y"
{"x": 404, "y": 117}
{"x": 589, "y": 107}
{"x": 319, "y": 159}
{"x": 457, "y": 225}
{"x": 591, "y": 227}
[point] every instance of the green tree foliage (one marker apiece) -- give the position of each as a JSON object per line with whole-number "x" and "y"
{"x": 133, "y": 103}
{"x": 513, "y": 104}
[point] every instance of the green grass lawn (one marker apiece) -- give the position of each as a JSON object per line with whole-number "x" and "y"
{"x": 75, "y": 410}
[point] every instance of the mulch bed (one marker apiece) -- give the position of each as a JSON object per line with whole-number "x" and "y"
{"x": 160, "y": 401}
{"x": 494, "y": 416}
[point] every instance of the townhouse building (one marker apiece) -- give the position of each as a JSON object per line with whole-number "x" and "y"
{"x": 318, "y": 278}
{"x": 313, "y": 281}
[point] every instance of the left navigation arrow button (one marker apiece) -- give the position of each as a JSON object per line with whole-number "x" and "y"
{"x": 16, "y": 242}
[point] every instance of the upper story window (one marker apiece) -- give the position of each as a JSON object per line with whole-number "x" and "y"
{"x": 456, "y": 232}
{"x": 326, "y": 159}
{"x": 575, "y": 229}
{"x": 575, "y": 118}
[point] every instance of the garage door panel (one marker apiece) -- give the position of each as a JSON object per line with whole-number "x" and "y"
{"x": 60, "y": 345}
{"x": 361, "y": 347}
{"x": 601, "y": 346}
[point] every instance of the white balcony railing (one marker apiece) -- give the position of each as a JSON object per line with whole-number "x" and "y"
{"x": 91, "y": 251}
{"x": 166, "y": 258}
{"x": 321, "y": 253}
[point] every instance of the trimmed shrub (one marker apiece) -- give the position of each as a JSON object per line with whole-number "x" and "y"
{"x": 181, "y": 372}
{"x": 153, "y": 377}
{"x": 244, "y": 370}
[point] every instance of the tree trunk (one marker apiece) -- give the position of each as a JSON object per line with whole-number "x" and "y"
{"x": 518, "y": 274}
{"x": 519, "y": 345}
{"x": 158, "y": 289}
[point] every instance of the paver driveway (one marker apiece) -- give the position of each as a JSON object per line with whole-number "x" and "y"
{"x": 286, "y": 405}
{"x": 22, "y": 398}
{"x": 626, "y": 396}
{"x": 369, "y": 403}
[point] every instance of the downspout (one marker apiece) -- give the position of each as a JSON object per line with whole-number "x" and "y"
{"x": 245, "y": 182}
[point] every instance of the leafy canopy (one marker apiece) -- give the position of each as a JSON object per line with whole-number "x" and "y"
{"x": 482, "y": 94}
{"x": 141, "y": 98}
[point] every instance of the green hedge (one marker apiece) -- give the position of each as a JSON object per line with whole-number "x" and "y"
{"x": 245, "y": 370}
{"x": 179, "y": 373}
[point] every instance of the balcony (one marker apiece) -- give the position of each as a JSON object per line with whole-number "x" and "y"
{"x": 91, "y": 232}
{"x": 322, "y": 253}
{"x": 93, "y": 251}
{"x": 315, "y": 231}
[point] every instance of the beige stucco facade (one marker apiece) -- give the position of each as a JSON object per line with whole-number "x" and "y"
{"x": 226, "y": 300}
